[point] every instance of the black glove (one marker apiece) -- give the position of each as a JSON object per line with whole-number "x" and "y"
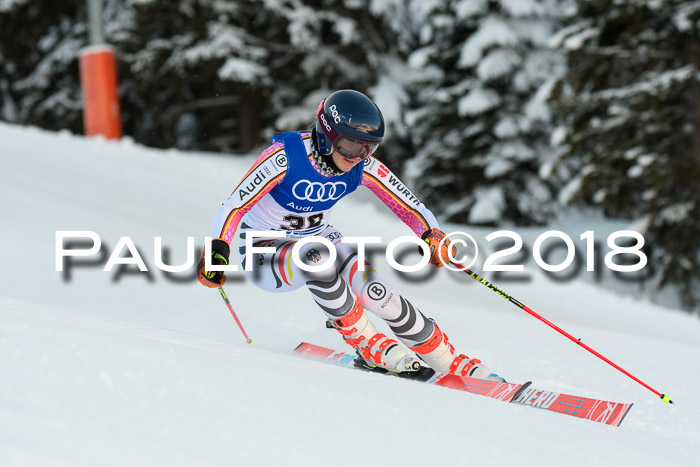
{"x": 219, "y": 255}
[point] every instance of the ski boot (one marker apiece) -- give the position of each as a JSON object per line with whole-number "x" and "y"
{"x": 375, "y": 348}
{"x": 439, "y": 353}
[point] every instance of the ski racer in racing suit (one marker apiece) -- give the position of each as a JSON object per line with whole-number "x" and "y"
{"x": 292, "y": 188}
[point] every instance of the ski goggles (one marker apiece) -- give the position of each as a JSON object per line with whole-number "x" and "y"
{"x": 353, "y": 149}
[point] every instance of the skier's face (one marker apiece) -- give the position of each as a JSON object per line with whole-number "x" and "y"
{"x": 343, "y": 163}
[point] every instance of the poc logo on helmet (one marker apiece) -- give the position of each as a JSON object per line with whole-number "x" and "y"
{"x": 334, "y": 112}
{"x": 325, "y": 123}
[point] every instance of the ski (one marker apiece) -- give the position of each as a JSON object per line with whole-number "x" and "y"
{"x": 609, "y": 413}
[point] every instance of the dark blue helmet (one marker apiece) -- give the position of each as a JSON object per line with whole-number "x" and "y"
{"x": 351, "y": 123}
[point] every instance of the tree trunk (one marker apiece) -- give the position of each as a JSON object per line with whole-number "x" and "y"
{"x": 250, "y": 119}
{"x": 694, "y": 59}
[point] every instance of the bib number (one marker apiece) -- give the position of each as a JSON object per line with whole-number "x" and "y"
{"x": 302, "y": 223}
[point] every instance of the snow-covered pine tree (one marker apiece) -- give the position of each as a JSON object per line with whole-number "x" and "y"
{"x": 172, "y": 65}
{"x": 194, "y": 73}
{"x": 233, "y": 72}
{"x": 343, "y": 44}
{"x": 202, "y": 74}
{"x": 481, "y": 120}
{"x": 631, "y": 107}
{"x": 39, "y": 78}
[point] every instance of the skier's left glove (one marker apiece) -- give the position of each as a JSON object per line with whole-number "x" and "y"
{"x": 219, "y": 255}
{"x": 439, "y": 255}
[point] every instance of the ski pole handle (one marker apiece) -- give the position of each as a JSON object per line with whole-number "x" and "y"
{"x": 664, "y": 397}
{"x": 233, "y": 313}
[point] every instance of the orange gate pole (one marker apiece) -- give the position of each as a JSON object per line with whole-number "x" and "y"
{"x": 98, "y": 78}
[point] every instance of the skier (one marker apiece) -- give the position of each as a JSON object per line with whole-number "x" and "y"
{"x": 291, "y": 188}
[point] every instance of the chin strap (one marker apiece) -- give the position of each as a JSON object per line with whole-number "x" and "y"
{"x": 323, "y": 162}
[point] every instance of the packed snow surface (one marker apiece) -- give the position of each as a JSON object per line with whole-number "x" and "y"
{"x": 124, "y": 367}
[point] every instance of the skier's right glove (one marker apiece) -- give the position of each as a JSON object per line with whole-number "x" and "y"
{"x": 439, "y": 247}
{"x": 219, "y": 255}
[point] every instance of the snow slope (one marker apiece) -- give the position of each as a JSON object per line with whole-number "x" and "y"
{"x": 102, "y": 368}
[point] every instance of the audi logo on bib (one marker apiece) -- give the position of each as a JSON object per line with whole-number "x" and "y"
{"x": 318, "y": 192}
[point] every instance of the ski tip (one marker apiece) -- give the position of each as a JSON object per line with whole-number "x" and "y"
{"x": 666, "y": 398}
{"x": 299, "y": 346}
{"x": 624, "y": 414}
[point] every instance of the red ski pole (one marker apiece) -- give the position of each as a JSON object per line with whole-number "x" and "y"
{"x": 478, "y": 278}
{"x": 233, "y": 313}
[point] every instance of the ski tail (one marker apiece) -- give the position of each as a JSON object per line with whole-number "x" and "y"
{"x": 610, "y": 413}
